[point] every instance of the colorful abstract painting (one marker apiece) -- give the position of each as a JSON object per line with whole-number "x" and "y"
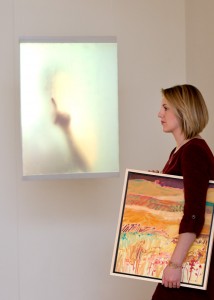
{"x": 151, "y": 210}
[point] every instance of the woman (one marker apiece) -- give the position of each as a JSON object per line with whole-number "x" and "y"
{"x": 184, "y": 114}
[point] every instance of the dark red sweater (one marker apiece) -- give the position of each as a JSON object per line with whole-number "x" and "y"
{"x": 195, "y": 162}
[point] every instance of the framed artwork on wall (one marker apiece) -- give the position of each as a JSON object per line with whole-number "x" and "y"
{"x": 69, "y": 107}
{"x": 150, "y": 213}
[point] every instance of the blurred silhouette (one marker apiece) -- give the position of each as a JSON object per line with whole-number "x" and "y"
{"x": 63, "y": 120}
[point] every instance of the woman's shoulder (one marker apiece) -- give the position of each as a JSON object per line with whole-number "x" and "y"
{"x": 197, "y": 153}
{"x": 197, "y": 145}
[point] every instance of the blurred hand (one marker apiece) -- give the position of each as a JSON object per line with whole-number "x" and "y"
{"x": 62, "y": 119}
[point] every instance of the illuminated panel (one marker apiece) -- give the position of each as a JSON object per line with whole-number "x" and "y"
{"x": 69, "y": 107}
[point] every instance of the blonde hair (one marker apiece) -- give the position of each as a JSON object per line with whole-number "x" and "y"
{"x": 190, "y": 108}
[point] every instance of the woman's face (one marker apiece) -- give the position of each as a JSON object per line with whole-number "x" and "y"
{"x": 169, "y": 120}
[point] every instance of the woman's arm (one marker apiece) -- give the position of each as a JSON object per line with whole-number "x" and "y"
{"x": 172, "y": 273}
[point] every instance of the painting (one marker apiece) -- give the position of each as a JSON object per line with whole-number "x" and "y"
{"x": 68, "y": 90}
{"x": 150, "y": 213}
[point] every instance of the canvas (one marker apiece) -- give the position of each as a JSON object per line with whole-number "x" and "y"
{"x": 151, "y": 210}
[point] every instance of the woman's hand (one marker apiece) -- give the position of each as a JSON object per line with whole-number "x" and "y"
{"x": 172, "y": 277}
{"x": 173, "y": 272}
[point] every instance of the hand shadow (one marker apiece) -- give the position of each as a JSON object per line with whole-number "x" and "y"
{"x": 63, "y": 120}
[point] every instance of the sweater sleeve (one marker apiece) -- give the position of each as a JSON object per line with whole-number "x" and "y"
{"x": 195, "y": 170}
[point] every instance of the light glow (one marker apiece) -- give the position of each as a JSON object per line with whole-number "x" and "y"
{"x": 69, "y": 108}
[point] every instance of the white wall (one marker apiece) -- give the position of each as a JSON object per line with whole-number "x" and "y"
{"x": 57, "y": 237}
{"x": 8, "y": 157}
{"x": 200, "y": 54}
